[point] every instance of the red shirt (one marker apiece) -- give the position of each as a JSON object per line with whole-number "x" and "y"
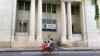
{"x": 43, "y": 46}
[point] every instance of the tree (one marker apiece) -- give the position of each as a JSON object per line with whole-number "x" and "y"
{"x": 94, "y": 2}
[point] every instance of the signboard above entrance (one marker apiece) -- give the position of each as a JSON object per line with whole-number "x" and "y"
{"x": 49, "y": 27}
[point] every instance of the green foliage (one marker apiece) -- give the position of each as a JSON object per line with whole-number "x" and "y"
{"x": 97, "y": 12}
{"x": 94, "y": 2}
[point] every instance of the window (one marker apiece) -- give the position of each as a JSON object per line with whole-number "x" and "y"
{"x": 53, "y": 21}
{"x": 21, "y": 5}
{"x": 49, "y": 8}
{"x": 27, "y": 5}
{"x": 48, "y": 21}
{"x": 44, "y": 7}
{"x": 73, "y": 10}
{"x": 53, "y": 8}
{"x": 24, "y": 5}
{"x": 43, "y": 24}
{"x": 49, "y": 25}
{"x": 25, "y": 27}
{"x": 21, "y": 26}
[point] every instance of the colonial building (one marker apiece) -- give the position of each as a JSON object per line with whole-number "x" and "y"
{"x": 27, "y": 23}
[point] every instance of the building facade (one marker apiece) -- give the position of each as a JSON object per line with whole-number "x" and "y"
{"x": 27, "y": 23}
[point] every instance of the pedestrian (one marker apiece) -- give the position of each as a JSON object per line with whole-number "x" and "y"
{"x": 51, "y": 40}
{"x": 48, "y": 45}
{"x": 43, "y": 46}
{"x": 51, "y": 44}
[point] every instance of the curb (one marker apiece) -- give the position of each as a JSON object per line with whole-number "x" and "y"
{"x": 80, "y": 49}
{"x": 18, "y": 50}
{"x": 36, "y": 50}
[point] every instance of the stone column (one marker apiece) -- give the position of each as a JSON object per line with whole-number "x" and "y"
{"x": 69, "y": 21}
{"x": 39, "y": 26}
{"x": 83, "y": 26}
{"x": 63, "y": 15}
{"x": 13, "y": 23}
{"x": 32, "y": 21}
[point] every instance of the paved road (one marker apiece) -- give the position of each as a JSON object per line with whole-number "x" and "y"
{"x": 57, "y": 53}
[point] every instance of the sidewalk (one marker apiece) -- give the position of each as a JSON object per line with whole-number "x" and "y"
{"x": 57, "y": 49}
{"x": 80, "y": 49}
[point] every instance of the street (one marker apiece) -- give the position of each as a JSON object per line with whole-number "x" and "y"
{"x": 57, "y": 53}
